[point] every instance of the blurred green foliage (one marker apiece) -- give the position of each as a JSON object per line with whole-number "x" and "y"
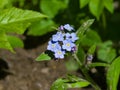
{"x": 14, "y": 20}
{"x": 74, "y": 12}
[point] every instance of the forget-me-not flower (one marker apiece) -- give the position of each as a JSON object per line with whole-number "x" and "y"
{"x": 53, "y": 46}
{"x": 63, "y": 41}
{"x": 67, "y": 45}
{"x": 59, "y": 36}
{"x": 59, "y": 54}
{"x": 71, "y": 36}
{"x": 68, "y": 27}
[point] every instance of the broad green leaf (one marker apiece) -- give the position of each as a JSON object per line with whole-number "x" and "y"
{"x": 70, "y": 82}
{"x": 105, "y": 52}
{"x": 18, "y": 28}
{"x": 82, "y": 29}
{"x": 106, "y": 44}
{"x": 83, "y": 3}
{"x": 90, "y": 38}
{"x": 106, "y": 55}
{"x": 41, "y": 27}
{"x": 17, "y": 20}
{"x": 43, "y": 57}
{"x": 15, "y": 41}
{"x": 52, "y": 7}
{"x": 4, "y": 43}
{"x": 113, "y": 74}
{"x": 109, "y": 5}
{"x": 96, "y": 7}
{"x": 98, "y": 64}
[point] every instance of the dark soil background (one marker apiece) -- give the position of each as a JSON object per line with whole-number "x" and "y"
{"x": 20, "y": 71}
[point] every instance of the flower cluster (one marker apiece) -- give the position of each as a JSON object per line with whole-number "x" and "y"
{"x": 63, "y": 41}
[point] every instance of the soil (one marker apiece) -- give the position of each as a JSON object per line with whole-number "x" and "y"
{"x": 20, "y": 71}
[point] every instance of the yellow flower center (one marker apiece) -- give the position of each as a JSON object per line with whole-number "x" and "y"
{"x": 53, "y": 45}
{"x": 59, "y": 52}
{"x": 68, "y": 44}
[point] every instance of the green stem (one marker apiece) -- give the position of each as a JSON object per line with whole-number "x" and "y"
{"x": 104, "y": 20}
{"x": 85, "y": 72}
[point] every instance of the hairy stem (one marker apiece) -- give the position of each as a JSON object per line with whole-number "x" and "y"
{"x": 86, "y": 74}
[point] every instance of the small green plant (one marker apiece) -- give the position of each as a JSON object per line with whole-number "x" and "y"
{"x": 68, "y": 41}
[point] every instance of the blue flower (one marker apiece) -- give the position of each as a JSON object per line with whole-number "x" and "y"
{"x": 72, "y": 37}
{"x": 63, "y": 41}
{"x": 53, "y": 46}
{"x": 59, "y": 36}
{"x": 67, "y": 45}
{"x": 68, "y": 27}
{"x": 59, "y": 54}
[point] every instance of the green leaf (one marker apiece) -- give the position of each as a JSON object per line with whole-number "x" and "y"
{"x": 78, "y": 84}
{"x": 81, "y": 54}
{"x": 109, "y": 5}
{"x": 106, "y": 44}
{"x": 5, "y": 3}
{"x": 70, "y": 82}
{"x": 106, "y": 55}
{"x": 113, "y": 74}
{"x": 52, "y": 7}
{"x": 41, "y": 27}
{"x": 96, "y": 7}
{"x": 105, "y": 52}
{"x": 73, "y": 78}
{"x": 82, "y": 29}
{"x": 59, "y": 85}
{"x": 17, "y": 20}
{"x": 90, "y": 38}
{"x": 43, "y": 57}
{"x": 83, "y": 3}
{"x": 4, "y": 43}
{"x": 15, "y": 41}
{"x": 92, "y": 49}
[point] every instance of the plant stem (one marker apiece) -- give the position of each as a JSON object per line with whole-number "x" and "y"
{"x": 104, "y": 20}
{"x": 85, "y": 72}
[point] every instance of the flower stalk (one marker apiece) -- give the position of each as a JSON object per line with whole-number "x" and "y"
{"x": 85, "y": 73}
